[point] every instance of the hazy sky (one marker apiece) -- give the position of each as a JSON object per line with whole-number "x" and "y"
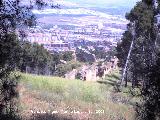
{"x": 99, "y": 3}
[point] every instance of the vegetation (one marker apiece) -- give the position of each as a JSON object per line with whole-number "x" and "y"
{"x": 71, "y": 95}
{"x": 36, "y": 59}
{"x": 67, "y": 56}
{"x": 141, "y": 58}
{"x": 13, "y": 15}
{"x": 143, "y": 63}
{"x": 143, "y": 70}
{"x": 62, "y": 69}
{"x": 9, "y": 53}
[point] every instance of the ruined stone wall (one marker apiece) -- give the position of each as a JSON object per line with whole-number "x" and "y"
{"x": 92, "y": 72}
{"x": 71, "y": 75}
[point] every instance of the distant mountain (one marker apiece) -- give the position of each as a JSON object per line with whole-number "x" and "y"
{"x": 113, "y": 10}
{"x": 99, "y": 12}
{"x": 113, "y": 7}
{"x": 85, "y": 12}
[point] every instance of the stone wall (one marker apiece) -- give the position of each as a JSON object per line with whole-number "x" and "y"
{"x": 71, "y": 75}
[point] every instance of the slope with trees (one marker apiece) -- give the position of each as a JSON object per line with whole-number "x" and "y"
{"x": 143, "y": 67}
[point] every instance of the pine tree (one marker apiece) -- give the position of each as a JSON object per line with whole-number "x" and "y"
{"x": 144, "y": 62}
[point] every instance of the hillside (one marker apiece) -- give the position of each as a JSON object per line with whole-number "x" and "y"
{"x": 54, "y": 98}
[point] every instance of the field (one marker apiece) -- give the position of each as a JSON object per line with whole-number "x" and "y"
{"x": 54, "y": 98}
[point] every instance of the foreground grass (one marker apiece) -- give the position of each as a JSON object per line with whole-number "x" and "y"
{"x": 93, "y": 100}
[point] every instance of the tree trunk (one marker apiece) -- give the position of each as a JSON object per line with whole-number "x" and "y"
{"x": 126, "y": 80}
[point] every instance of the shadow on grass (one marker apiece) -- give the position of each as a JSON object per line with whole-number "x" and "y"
{"x": 49, "y": 117}
{"x": 108, "y": 82}
{"x": 113, "y": 76}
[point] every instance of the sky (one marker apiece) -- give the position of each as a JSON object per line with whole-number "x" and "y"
{"x": 103, "y": 3}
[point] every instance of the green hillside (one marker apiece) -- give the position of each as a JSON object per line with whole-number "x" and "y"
{"x": 94, "y": 101}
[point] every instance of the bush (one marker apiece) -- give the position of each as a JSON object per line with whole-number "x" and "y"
{"x": 62, "y": 69}
{"x": 9, "y": 97}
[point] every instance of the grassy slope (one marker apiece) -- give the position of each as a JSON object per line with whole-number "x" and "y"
{"x": 54, "y": 93}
